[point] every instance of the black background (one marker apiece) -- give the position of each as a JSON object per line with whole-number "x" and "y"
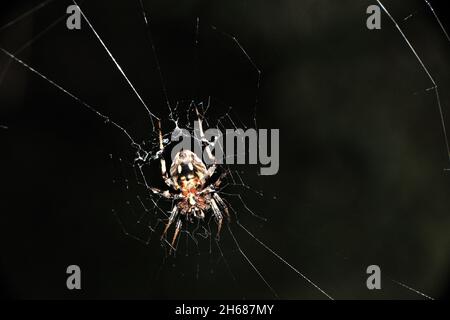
{"x": 361, "y": 177}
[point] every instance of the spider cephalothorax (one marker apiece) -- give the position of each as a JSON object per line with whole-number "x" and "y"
{"x": 193, "y": 192}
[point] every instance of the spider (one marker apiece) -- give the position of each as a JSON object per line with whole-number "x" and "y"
{"x": 194, "y": 192}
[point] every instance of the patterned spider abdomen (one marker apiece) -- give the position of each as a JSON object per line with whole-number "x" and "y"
{"x": 187, "y": 165}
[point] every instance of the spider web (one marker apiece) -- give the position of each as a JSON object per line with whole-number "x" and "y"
{"x": 143, "y": 215}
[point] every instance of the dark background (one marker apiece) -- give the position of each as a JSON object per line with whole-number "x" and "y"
{"x": 361, "y": 177}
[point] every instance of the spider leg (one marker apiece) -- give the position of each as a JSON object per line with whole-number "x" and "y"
{"x": 218, "y": 216}
{"x": 164, "y": 173}
{"x": 223, "y": 205}
{"x": 211, "y": 157}
{"x": 166, "y": 193}
{"x": 213, "y": 188}
{"x": 219, "y": 180}
{"x": 172, "y": 217}
{"x": 177, "y": 230}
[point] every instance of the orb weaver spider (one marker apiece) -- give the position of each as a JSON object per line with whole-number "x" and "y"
{"x": 194, "y": 193}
